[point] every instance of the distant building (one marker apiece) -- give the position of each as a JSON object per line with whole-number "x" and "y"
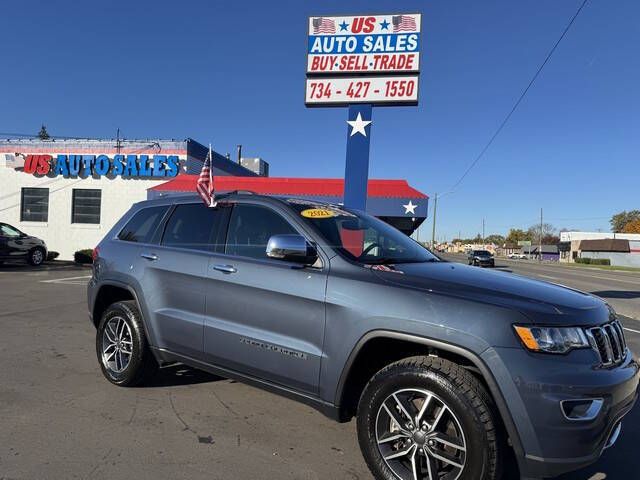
{"x": 550, "y": 253}
{"x": 622, "y": 249}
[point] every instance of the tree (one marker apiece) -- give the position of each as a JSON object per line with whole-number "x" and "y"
{"x": 548, "y": 232}
{"x": 43, "y": 134}
{"x": 495, "y": 239}
{"x": 620, "y": 220}
{"x": 632, "y": 227}
{"x": 517, "y": 235}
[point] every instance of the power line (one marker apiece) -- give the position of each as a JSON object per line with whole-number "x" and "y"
{"x": 515, "y": 106}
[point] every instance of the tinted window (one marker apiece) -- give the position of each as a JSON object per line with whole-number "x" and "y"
{"x": 86, "y": 206}
{"x": 193, "y": 226}
{"x": 250, "y": 228}
{"x": 141, "y": 227}
{"x": 34, "y": 205}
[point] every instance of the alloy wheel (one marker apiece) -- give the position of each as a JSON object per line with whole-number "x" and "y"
{"x": 37, "y": 257}
{"x": 117, "y": 344}
{"x": 419, "y": 436}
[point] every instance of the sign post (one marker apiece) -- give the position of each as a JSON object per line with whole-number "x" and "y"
{"x": 356, "y": 173}
{"x": 361, "y": 61}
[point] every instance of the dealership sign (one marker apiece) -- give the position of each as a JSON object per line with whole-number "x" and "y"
{"x": 370, "y": 46}
{"x": 338, "y": 91}
{"x": 70, "y": 166}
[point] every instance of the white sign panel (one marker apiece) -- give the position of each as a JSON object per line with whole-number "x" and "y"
{"x": 396, "y": 89}
{"x": 364, "y": 44}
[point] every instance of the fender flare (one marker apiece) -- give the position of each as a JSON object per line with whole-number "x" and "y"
{"x": 488, "y": 377}
{"x": 134, "y": 294}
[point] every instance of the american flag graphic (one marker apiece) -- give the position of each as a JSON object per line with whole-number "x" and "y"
{"x": 404, "y": 23}
{"x": 204, "y": 185}
{"x": 323, "y": 25}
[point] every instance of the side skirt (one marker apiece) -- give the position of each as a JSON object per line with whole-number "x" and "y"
{"x": 329, "y": 410}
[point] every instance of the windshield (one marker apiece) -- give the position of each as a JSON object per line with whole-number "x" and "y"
{"x": 481, "y": 252}
{"x": 361, "y": 237}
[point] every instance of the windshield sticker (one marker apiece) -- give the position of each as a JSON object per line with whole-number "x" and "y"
{"x": 317, "y": 213}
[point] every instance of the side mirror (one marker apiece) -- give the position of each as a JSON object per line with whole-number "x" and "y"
{"x": 292, "y": 248}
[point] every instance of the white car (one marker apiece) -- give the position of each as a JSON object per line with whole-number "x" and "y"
{"x": 517, "y": 256}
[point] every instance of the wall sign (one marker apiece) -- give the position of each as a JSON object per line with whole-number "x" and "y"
{"x": 70, "y": 166}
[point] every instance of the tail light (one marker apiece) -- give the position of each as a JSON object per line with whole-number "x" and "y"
{"x": 95, "y": 253}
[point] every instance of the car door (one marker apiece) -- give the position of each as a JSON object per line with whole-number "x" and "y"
{"x": 4, "y": 243}
{"x": 175, "y": 277}
{"x": 264, "y": 317}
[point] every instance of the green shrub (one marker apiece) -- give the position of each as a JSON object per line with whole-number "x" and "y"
{"x": 83, "y": 256}
{"x": 586, "y": 261}
{"x": 600, "y": 261}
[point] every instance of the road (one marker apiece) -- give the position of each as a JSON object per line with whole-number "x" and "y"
{"x": 59, "y": 419}
{"x": 620, "y": 288}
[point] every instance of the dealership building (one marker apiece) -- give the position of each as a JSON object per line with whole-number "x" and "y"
{"x": 71, "y": 192}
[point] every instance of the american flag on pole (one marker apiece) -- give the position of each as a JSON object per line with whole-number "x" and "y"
{"x": 404, "y": 23}
{"x": 323, "y": 25}
{"x": 204, "y": 185}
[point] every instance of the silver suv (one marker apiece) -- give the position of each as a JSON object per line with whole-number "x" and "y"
{"x": 452, "y": 371}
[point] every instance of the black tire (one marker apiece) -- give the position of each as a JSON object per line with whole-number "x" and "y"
{"x": 36, "y": 256}
{"x": 141, "y": 365}
{"x": 463, "y": 396}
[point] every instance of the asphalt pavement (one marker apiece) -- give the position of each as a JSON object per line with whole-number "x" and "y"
{"x": 60, "y": 419}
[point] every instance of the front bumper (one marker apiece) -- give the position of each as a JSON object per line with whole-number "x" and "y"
{"x": 534, "y": 385}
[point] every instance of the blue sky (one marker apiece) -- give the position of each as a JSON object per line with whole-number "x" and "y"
{"x": 233, "y": 72}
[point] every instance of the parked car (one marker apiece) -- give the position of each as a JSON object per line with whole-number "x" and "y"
{"x": 517, "y": 256}
{"x": 17, "y": 245}
{"x": 449, "y": 370}
{"x": 481, "y": 258}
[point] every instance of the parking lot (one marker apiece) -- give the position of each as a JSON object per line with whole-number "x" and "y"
{"x": 59, "y": 419}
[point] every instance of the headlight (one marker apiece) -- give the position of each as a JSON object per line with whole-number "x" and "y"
{"x": 552, "y": 339}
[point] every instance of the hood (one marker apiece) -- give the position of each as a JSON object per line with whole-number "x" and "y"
{"x": 542, "y": 302}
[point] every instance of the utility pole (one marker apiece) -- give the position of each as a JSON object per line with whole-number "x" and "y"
{"x": 540, "y": 242}
{"x": 483, "y": 243}
{"x": 118, "y": 140}
{"x": 433, "y": 231}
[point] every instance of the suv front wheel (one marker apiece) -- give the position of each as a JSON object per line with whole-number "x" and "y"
{"x": 427, "y": 418}
{"x": 122, "y": 348}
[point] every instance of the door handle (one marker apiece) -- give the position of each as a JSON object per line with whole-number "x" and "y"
{"x": 149, "y": 256}
{"x": 225, "y": 268}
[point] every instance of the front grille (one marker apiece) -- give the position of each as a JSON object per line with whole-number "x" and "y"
{"x": 609, "y": 343}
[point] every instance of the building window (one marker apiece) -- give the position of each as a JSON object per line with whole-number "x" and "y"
{"x": 34, "y": 205}
{"x": 86, "y": 206}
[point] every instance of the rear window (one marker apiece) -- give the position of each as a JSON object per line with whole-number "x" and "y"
{"x": 194, "y": 226}
{"x": 141, "y": 227}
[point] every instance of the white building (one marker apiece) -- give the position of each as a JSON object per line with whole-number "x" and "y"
{"x": 71, "y": 192}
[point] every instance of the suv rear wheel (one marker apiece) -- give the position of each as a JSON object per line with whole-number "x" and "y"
{"x": 427, "y": 418}
{"x": 122, "y": 348}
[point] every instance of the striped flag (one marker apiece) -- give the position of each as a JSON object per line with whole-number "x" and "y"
{"x": 204, "y": 185}
{"x": 323, "y": 25}
{"x": 404, "y": 23}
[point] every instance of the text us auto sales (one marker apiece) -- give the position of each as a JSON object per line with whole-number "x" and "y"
{"x": 98, "y": 165}
{"x": 376, "y": 52}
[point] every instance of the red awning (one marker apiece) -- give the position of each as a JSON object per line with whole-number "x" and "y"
{"x": 329, "y": 187}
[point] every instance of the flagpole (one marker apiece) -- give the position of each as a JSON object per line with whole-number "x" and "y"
{"x": 213, "y": 202}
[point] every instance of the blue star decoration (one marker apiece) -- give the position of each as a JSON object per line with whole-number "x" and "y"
{"x": 384, "y": 24}
{"x": 343, "y": 26}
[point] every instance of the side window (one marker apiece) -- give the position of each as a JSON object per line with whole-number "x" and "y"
{"x": 141, "y": 227}
{"x": 250, "y": 228}
{"x": 193, "y": 225}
